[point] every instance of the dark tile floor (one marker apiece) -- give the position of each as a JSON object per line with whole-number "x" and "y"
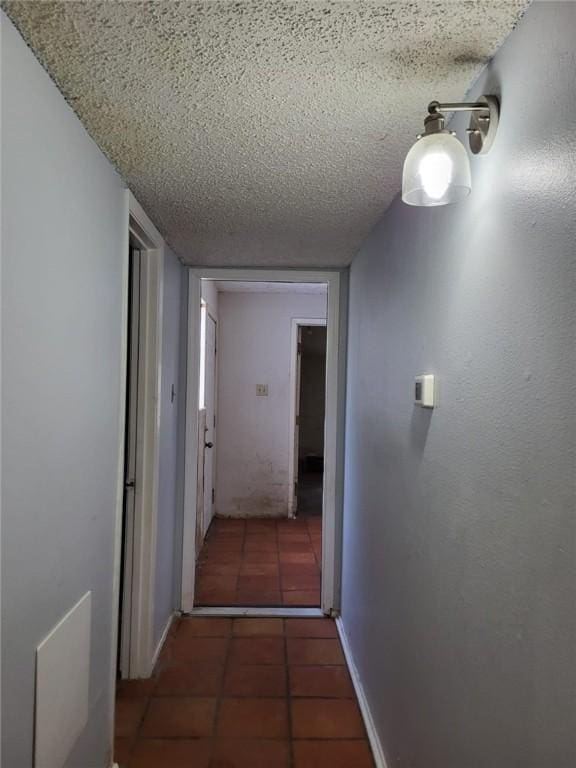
{"x": 244, "y": 693}
{"x": 260, "y": 562}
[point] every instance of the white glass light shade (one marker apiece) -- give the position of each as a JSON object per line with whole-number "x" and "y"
{"x": 436, "y": 171}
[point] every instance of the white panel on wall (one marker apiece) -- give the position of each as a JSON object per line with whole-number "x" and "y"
{"x": 62, "y": 685}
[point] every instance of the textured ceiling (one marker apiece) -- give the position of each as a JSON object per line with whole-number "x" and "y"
{"x": 262, "y": 133}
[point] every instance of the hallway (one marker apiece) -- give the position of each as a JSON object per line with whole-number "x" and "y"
{"x": 309, "y": 258}
{"x": 260, "y": 562}
{"x": 244, "y": 693}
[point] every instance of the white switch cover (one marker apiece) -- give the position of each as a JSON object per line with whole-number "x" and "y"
{"x": 262, "y": 390}
{"x": 62, "y": 686}
{"x": 425, "y": 390}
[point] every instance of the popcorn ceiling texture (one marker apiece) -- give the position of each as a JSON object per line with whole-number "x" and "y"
{"x": 262, "y": 133}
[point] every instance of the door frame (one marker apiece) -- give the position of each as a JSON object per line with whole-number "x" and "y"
{"x": 141, "y": 652}
{"x": 333, "y": 425}
{"x": 210, "y": 316}
{"x": 297, "y": 322}
{"x": 201, "y": 497}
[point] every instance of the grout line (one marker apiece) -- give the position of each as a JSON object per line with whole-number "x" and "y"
{"x": 288, "y": 699}
{"x": 220, "y": 694}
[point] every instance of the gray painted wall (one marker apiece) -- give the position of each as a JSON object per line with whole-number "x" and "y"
{"x": 459, "y": 539}
{"x": 168, "y": 512}
{"x": 64, "y": 243}
{"x": 63, "y": 246}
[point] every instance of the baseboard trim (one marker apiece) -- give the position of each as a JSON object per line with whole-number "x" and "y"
{"x": 376, "y": 746}
{"x": 254, "y": 612}
{"x": 163, "y": 639}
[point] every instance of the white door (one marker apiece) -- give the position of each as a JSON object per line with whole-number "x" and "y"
{"x": 210, "y": 428}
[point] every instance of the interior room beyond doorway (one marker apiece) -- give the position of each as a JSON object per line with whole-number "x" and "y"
{"x": 260, "y": 444}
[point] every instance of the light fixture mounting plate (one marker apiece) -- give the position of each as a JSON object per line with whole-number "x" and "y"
{"x": 484, "y": 125}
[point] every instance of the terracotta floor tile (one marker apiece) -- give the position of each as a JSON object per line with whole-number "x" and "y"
{"x": 326, "y": 719}
{"x": 135, "y": 689}
{"x": 260, "y": 569}
{"x": 122, "y": 750}
{"x": 253, "y": 597}
{"x": 304, "y": 651}
{"x": 223, "y": 536}
{"x": 216, "y": 597}
{"x": 202, "y": 626}
{"x": 200, "y": 678}
{"x": 219, "y": 569}
{"x": 324, "y": 628}
{"x": 301, "y": 583}
{"x": 255, "y": 681}
{"x": 171, "y": 753}
{"x": 303, "y": 599}
{"x": 253, "y": 719}
{"x": 297, "y": 558}
{"x": 295, "y": 546}
{"x": 257, "y": 650}
{"x": 261, "y": 546}
{"x": 298, "y": 570}
{"x": 260, "y": 557}
{"x": 179, "y": 718}
{"x": 293, "y": 524}
{"x": 224, "y": 545}
{"x": 220, "y": 556}
{"x": 220, "y": 582}
{"x": 321, "y": 682}
{"x": 332, "y": 754}
{"x": 233, "y": 753}
{"x": 129, "y": 714}
{"x": 287, "y": 535}
{"x": 256, "y": 524}
{"x": 269, "y": 534}
{"x": 258, "y": 583}
{"x": 258, "y": 627}
{"x": 228, "y": 522}
{"x": 197, "y": 649}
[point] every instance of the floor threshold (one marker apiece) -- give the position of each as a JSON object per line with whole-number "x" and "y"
{"x": 256, "y": 612}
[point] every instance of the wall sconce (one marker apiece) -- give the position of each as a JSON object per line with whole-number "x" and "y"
{"x": 437, "y": 167}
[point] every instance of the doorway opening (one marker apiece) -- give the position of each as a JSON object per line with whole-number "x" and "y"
{"x": 130, "y": 452}
{"x": 262, "y": 383}
{"x": 310, "y": 380}
{"x": 138, "y": 493}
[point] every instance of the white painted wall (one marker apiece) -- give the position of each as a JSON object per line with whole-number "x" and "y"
{"x": 254, "y": 432}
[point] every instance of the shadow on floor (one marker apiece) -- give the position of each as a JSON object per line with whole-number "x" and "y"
{"x": 309, "y": 493}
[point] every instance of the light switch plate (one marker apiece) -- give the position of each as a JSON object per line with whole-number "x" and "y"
{"x": 262, "y": 390}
